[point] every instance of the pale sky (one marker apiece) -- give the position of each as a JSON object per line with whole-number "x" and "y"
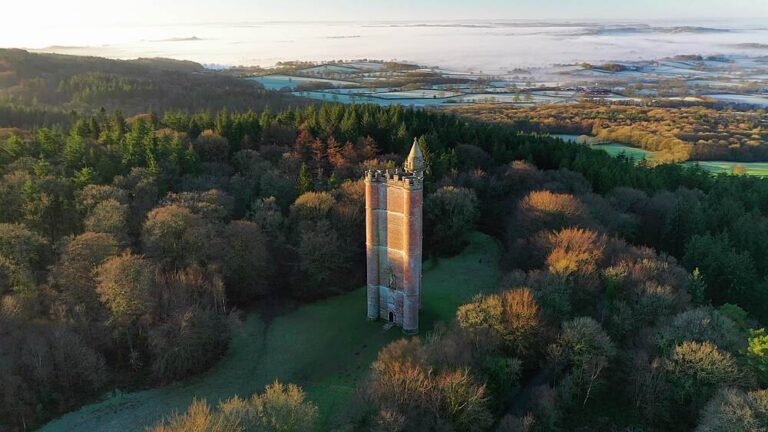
{"x": 253, "y": 32}
{"x": 31, "y": 15}
{"x": 63, "y": 25}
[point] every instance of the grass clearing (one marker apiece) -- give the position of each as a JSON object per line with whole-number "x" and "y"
{"x": 326, "y": 347}
{"x": 759, "y": 169}
{"x": 613, "y": 149}
{"x": 621, "y": 149}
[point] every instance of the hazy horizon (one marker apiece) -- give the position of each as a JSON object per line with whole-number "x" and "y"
{"x": 450, "y": 33}
{"x": 488, "y": 45}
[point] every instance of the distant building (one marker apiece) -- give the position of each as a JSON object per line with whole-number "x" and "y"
{"x": 393, "y": 217}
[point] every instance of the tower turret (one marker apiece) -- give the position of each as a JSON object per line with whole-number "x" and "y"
{"x": 415, "y": 162}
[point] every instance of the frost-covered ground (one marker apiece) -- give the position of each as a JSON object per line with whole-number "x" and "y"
{"x": 418, "y": 94}
{"x": 735, "y": 79}
{"x": 755, "y": 100}
{"x": 278, "y": 82}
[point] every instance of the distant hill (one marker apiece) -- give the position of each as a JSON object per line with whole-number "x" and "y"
{"x": 63, "y": 82}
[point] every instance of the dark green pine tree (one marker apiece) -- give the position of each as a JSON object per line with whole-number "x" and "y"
{"x": 333, "y": 181}
{"x": 304, "y": 181}
{"x": 194, "y": 129}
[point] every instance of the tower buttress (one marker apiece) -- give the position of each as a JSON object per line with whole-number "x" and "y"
{"x": 412, "y": 255}
{"x": 371, "y": 249}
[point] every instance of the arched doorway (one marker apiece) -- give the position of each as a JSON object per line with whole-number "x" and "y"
{"x": 391, "y": 317}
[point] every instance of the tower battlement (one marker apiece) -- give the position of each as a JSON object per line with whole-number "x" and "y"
{"x": 393, "y": 239}
{"x": 395, "y": 177}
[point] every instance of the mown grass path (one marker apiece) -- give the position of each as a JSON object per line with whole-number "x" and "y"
{"x": 326, "y": 347}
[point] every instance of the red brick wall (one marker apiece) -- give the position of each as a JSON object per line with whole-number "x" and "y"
{"x": 393, "y": 245}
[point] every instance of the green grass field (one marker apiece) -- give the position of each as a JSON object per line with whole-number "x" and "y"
{"x": 621, "y": 149}
{"x": 613, "y": 149}
{"x": 326, "y": 347}
{"x": 759, "y": 169}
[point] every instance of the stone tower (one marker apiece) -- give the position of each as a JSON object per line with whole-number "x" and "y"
{"x": 393, "y": 215}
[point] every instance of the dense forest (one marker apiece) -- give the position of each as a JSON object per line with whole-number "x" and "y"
{"x": 633, "y": 297}
{"x": 44, "y": 89}
{"x": 678, "y": 133}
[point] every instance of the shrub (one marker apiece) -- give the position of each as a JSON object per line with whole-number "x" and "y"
{"x": 695, "y": 370}
{"x": 545, "y": 210}
{"x": 575, "y": 251}
{"x": 703, "y": 325}
{"x": 281, "y": 408}
{"x": 757, "y": 353}
{"x": 734, "y": 410}
{"x": 513, "y": 316}
{"x": 404, "y": 391}
{"x": 312, "y": 206}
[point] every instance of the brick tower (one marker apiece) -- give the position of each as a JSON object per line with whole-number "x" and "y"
{"x": 393, "y": 214}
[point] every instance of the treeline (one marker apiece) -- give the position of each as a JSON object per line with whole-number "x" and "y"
{"x": 676, "y": 133}
{"x": 119, "y": 235}
{"x": 21, "y": 116}
{"x": 52, "y": 82}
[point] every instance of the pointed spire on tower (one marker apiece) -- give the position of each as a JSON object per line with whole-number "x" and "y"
{"x": 415, "y": 161}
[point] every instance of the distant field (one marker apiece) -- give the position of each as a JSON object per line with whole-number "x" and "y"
{"x": 613, "y": 149}
{"x": 621, "y": 149}
{"x": 509, "y": 98}
{"x": 346, "y": 89}
{"x": 348, "y": 97}
{"x": 418, "y": 94}
{"x": 330, "y": 69}
{"x": 369, "y": 66}
{"x": 760, "y": 101}
{"x": 759, "y": 169}
{"x": 326, "y": 347}
{"x": 277, "y": 82}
